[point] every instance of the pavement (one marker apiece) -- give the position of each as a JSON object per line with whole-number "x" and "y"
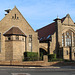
{"x": 56, "y": 67}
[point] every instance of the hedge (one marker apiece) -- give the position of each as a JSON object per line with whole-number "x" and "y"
{"x": 56, "y": 59}
{"x": 51, "y": 56}
{"x": 30, "y": 56}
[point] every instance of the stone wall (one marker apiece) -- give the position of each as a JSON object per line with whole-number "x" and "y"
{"x": 43, "y": 46}
{"x": 8, "y": 50}
{"x": 18, "y": 50}
{"x": 53, "y": 44}
{"x": 66, "y": 53}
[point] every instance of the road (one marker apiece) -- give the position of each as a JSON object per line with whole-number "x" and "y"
{"x": 36, "y": 71}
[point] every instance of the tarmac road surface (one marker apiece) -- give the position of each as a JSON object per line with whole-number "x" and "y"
{"x": 4, "y": 70}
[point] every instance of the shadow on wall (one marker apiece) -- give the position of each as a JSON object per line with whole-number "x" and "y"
{"x": 59, "y": 51}
{"x": 43, "y": 51}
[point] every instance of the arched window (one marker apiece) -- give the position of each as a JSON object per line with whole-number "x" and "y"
{"x": 68, "y": 38}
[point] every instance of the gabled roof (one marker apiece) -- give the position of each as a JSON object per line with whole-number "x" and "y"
{"x": 13, "y": 10}
{"x": 44, "y": 32}
{"x": 14, "y": 31}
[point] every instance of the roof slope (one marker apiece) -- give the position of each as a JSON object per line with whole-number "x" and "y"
{"x": 19, "y": 15}
{"x": 44, "y": 32}
{"x": 14, "y": 31}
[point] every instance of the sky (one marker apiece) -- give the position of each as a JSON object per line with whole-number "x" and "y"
{"x": 40, "y": 13}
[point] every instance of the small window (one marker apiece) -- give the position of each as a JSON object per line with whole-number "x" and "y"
{"x": 17, "y": 17}
{"x": 48, "y": 36}
{"x": 30, "y": 38}
{"x": 17, "y": 37}
{"x": 9, "y": 38}
{"x": 12, "y": 17}
{"x": 67, "y": 52}
{"x": 23, "y": 39}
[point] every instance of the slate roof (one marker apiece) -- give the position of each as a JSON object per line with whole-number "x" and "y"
{"x": 14, "y": 31}
{"x": 47, "y": 31}
{"x": 44, "y": 32}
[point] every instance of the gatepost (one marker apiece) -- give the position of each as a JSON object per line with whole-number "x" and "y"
{"x": 45, "y": 58}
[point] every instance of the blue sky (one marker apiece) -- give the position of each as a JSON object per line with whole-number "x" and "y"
{"x": 40, "y": 13}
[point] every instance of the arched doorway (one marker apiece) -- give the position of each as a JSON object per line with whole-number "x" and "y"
{"x": 42, "y": 52}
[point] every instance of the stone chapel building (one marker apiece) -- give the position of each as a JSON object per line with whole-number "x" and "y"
{"x": 58, "y": 38}
{"x": 16, "y": 36}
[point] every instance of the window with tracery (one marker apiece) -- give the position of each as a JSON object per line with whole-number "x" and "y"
{"x": 68, "y": 39}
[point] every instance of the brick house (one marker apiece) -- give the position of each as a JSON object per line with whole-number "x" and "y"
{"x": 58, "y": 38}
{"x": 16, "y": 36}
